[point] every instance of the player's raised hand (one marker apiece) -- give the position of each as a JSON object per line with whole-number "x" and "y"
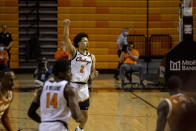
{"x": 66, "y": 21}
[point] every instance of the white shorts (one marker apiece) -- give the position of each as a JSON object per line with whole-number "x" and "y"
{"x": 52, "y": 126}
{"x": 82, "y": 90}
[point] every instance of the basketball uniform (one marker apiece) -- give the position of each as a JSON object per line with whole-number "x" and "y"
{"x": 5, "y": 103}
{"x": 177, "y": 106}
{"x": 55, "y": 113}
{"x": 81, "y": 68}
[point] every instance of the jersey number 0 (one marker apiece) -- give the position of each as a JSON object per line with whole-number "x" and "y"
{"x": 51, "y": 100}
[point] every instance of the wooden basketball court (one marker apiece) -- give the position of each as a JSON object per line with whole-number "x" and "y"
{"x": 111, "y": 109}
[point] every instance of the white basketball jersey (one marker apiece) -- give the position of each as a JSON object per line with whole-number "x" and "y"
{"x": 81, "y": 67}
{"x": 53, "y": 103}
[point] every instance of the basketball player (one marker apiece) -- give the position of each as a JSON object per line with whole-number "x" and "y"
{"x": 82, "y": 68}
{"x": 171, "y": 109}
{"x": 57, "y": 100}
{"x": 6, "y": 96}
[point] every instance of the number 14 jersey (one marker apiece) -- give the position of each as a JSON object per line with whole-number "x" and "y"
{"x": 53, "y": 103}
{"x": 81, "y": 67}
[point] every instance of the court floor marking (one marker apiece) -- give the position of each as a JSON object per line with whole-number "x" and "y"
{"x": 145, "y": 101}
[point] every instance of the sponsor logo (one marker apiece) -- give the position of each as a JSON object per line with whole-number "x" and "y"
{"x": 175, "y": 66}
{"x": 183, "y": 65}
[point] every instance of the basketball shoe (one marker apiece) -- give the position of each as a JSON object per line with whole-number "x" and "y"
{"x": 78, "y": 129}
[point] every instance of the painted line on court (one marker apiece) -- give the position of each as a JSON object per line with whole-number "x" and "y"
{"x": 151, "y": 105}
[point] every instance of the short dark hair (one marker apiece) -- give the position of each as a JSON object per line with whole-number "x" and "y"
{"x": 60, "y": 65}
{"x": 131, "y": 43}
{"x": 78, "y": 38}
{"x": 174, "y": 82}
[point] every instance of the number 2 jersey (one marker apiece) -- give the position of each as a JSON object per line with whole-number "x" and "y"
{"x": 53, "y": 104}
{"x": 81, "y": 67}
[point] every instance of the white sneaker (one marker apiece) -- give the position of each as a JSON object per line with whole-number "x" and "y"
{"x": 78, "y": 129}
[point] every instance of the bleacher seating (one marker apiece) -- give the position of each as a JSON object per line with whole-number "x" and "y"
{"x": 103, "y": 20}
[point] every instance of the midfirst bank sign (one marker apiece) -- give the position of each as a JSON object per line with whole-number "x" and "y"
{"x": 183, "y": 65}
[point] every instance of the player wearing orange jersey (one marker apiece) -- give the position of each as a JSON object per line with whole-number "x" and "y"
{"x": 171, "y": 109}
{"x": 6, "y": 96}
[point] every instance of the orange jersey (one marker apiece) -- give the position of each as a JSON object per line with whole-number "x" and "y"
{"x": 177, "y": 106}
{"x": 5, "y": 103}
{"x": 128, "y": 60}
{"x": 4, "y": 57}
{"x": 61, "y": 54}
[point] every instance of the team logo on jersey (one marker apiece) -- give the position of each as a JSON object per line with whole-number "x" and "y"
{"x": 83, "y": 60}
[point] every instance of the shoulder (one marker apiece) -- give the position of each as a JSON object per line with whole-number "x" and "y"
{"x": 69, "y": 91}
{"x": 164, "y": 107}
{"x": 163, "y": 104}
{"x": 135, "y": 51}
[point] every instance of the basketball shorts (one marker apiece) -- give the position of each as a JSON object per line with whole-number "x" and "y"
{"x": 52, "y": 126}
{"x": 83, "y": 95}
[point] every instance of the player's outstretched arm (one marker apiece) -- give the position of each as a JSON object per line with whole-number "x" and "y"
{"x": 162, "y": 112}
{"x": 5, "y": 121}
{"x": 71, "y": 49}
{"x": 71, "y": 96}
{"x": 34, "y": 106}
{"x": 94, "y": 72}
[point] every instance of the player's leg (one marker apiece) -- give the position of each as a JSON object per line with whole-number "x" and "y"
{"x": 84, "y": 110}
{"x": 83, "y": 95}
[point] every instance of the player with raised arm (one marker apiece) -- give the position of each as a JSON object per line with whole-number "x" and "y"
{"x": 82, "y": 68}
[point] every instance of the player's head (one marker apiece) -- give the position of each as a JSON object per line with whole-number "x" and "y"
{"x": 125, "y": 31}
{"x": 174, "y": 83}
{"x": 81, "y": 41}
{"x": 7, "y": 79}
{"x": 62, "y": 69}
